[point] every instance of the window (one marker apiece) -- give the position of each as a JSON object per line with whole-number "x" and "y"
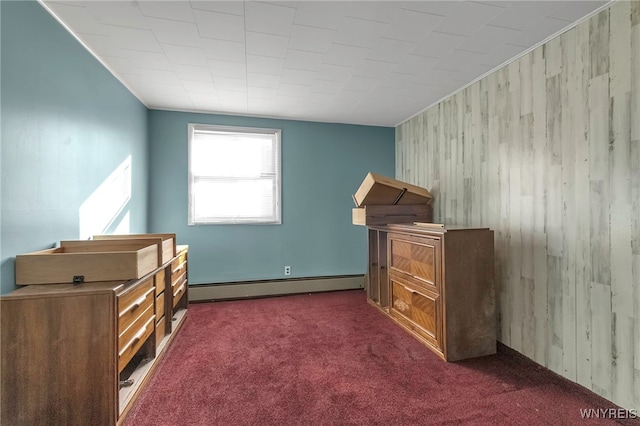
{"x": 234, "y": 175}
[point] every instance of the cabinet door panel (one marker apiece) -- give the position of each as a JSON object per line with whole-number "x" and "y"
{"x": 418, "y": 258}
{"x": 424, "y": 312}
{"x": 418, "y": 309}
{"x": 401, "y": 297}
{"x": 373, "y": 287}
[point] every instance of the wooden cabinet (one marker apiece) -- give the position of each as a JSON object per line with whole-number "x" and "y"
{"x": 377, "y": 280}
{"x": 80, "y": 354}
{"x": 438, "y": 284}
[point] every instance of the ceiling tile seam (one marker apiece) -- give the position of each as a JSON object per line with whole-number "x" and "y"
{"x": 127, "y": 27}
{"x": 178, "y": 44}
{"x": 557, "y": 19}
{"x": 423, "y": 13}
{"x": 402, "y": 40}
{"x": 358, "y": 18}
{"x": 181, "y": 21}
{"x": 212, "y": 11}
{"x": 317, "y": 27}
{"x": 451, "y": 34}
{"x": 469, "y": 51}
{"x": 489, "y": 4}
{"x": 515, "y": 58}
{"x": 504, "y": 27}
{"x": 86, "y": 46}
{"x": 278, "y": 4}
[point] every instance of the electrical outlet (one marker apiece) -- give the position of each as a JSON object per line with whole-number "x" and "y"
{"x": 287, "y": 270}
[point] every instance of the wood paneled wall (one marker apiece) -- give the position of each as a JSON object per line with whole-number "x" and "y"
{"x": 546, "y": 151}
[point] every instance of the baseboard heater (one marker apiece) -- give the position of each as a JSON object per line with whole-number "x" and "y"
{"x": 264, "y": 288}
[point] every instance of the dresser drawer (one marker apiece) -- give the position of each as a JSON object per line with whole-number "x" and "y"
{"x": 134, "y": 337}
{"x": 419, "y": 310}
{"x": 181, "y": 258}
{"x": 418, "y": 258}
{"x": 177, "y": 270}
{"x": 133, "y": 303}
{"x": 161, "y": 331}
{"x": 159, "y": 280}
{"x": 160, "y": 307}
{"x": 178, "y": 290}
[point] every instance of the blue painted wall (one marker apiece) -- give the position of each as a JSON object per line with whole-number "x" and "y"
{"x": 322, "y": 166}
{"x": 67, "y": 124}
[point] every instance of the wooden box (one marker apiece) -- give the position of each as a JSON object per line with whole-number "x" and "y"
{"x": 378, "y": 190}
{"x": 167, "y": 243}
{"x": 382, "y": 215}
{"x": 87, "y": 261}
{"x": 382, "y": 200}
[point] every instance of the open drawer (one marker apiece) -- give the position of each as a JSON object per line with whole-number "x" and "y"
{"x": 87, "y": 261}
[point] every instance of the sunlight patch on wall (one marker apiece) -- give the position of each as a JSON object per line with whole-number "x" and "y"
{"x": 124, "y": 227}
{"x": 105, "y": 204}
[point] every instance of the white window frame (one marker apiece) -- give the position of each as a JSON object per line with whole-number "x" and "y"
{"x": 276, "y": 219}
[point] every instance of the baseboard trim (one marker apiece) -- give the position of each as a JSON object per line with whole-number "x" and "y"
{"x": 249, "y": 289}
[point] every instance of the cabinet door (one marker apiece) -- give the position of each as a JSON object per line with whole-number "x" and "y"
{"x": 373, "y": 283}
{"x": 377, "y": 280}
{"x": 417, "y": 258}
{"x": 418, "y": 309}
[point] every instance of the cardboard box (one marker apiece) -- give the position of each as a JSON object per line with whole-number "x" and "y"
{"x": 87, "y": 261}
{"x": 378, "y": 190}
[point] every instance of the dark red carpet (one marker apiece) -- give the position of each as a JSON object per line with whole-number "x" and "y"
{"x": 330, "y": 358}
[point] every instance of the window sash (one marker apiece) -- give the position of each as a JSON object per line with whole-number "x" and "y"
{"x": 240, "y": 192}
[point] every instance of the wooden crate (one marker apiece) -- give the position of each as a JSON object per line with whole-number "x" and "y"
{"x": 87, "y": 261}
{"x": 168, "y": 243}
{"x": 378, "y": 190}
{"x": 383, "y": 215}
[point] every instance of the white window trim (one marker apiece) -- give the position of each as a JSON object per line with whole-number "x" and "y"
{"x": 278, "y": 167}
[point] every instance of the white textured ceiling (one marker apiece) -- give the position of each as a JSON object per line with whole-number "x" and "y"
{"x": 360, "y": 62}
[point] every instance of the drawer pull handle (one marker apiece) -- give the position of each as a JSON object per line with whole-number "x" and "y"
{"x": 133, "y": 341}
{"x": 138, "y": 336}
{"x": 179, "y": 290}
{"x": 138, "y": 302}
{"x": 179, "y": 268}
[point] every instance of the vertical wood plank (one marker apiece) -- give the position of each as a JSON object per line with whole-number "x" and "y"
{"x": 600, "y": 244}
{"x": 516, "y": 299}
{"x": 539, "y": 215}
{"x": 459, "y": 118}
{"x": 553, "y": 225}
{"x": 599, "y": 43}
{"x": 635, "y": 188}
{"x": 554, "y": 276}
{"x": 569, "y": 77}
{"x": 619, "y": 183}
{"x": 554, "y": 143}
{"x": 582, "y": 208}
{"x": 601, "y": 328}
{"x": 599, "y": 177}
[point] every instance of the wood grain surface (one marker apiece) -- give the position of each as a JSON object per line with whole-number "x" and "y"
{"x": 546, "y": 152}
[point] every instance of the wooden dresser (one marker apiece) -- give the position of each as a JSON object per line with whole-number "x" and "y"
{"x": 438, "y": 284}
{"x": 79, "y": 354}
